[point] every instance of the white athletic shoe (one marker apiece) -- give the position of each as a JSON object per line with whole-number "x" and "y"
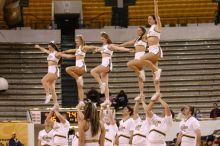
{"x": 80, "y": 81}
{"x": 106, "y": 103}
{"x": 142, "y": 75}
{"x": 102, "y": 87}
{"x": 138, "y": 98}
{"x": 157, "y": 74}
{"x": 155, "y": 97}
{"x": 47, "y": 100}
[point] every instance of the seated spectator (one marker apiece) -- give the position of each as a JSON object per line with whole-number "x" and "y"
{"x": 93, "y": 95}
{"x": 121, "y": 100}
{"x": 14, "y": 141}
{"x": 215, "y": 111}
{"x": 180, "y": 115}
{"x": 198, "y": 114}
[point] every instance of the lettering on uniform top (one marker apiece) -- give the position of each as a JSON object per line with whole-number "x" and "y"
{"x": 47, "y": 138}
{"x": 156, "y": 122}
{"x": 121, "y": 128}
{"x": 184, "y": 127}
{"x": 138, "y": 127}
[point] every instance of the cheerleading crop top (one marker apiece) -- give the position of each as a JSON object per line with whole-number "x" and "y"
{"x": 152, "y": 32}
{"x": 105, "y": 50}
{"x": 79, "y": 52}
{"x": 52, "y": 57}
{"x": 140, "y": 43}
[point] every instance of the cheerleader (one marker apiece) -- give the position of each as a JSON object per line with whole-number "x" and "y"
{"x": 140, "y": 47}
{"x": 190, "y": 132}
{"x": 110, "y": 126}
{"x": 91, "y": 129}
{"x": 141, "y": 128}
{"x": 159, "y": 126}
{"x": 79, "y": 69}
{"x": 155, "y": 53}
{"x": 45, "y": 136}
{"x": 49, "y": 80}
{"x": 101, "y": 72}
{"x": 61, "y": 129}
{"x": 125, "y": 127}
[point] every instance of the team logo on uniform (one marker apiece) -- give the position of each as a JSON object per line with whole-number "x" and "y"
{"x": 138, "y": 127}
{"x": 156, "y": 122}
{"x": 47, "y": 138}
{"x": 184, "y": 127}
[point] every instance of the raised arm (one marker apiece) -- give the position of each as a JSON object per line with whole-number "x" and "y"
{"x": 198, "y": 137}
{"x": 101, "y": 114}
{"x": 42, "y": 49}
{"x": 117, "y": 48}
{"x": 158, "y": 28}
{"x": 165, "y": 106}
{"x": 69, "y": 51}
{"x": 136, "y": 110}
{"x": 62, "y": 55}
{"x": 60, "y": 117}
{"x": 81, "y": 126}
{"x": 111, "y": 117}
{"x": 129, "y": 43}
{"x": 49, "y": 116}
{"x": 148, "y": 108}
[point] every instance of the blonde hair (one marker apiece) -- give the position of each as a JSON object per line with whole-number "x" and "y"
{"x": 80, "y": 37}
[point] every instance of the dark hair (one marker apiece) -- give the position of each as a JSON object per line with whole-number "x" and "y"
{"x": 191, "y": 108}
{"x": 92, "y": 116}
{"x": 129, "y": 109}
{"x": 106, "y": 36}
{"x": 57, "y": 49}
{"x": 154, "y": 17}
{"x": 143, "y": 32}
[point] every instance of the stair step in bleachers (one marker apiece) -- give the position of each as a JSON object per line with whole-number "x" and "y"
{"x": 23, "y": 68}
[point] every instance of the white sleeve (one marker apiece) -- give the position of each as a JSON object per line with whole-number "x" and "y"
{"x": 169, "y": 120}
{"x": 55, "y": 125}
{"x": 114, "y": 128}
{"x": 131, "y": 124}
{"x": 40, "y": 136}
{"x": 67, "y": 124}
{"x": 196, "y": 125}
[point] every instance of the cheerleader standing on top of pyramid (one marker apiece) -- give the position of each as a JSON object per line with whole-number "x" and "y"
{"x": 155, "y": 53}
{"x": 79, "y": 69}
{"x": 49, "y": 80}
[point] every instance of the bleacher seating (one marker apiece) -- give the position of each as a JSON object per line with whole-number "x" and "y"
{"x": 191, "y": 75}
{"x": 23, "y": 66}
{"x": 96, "y": 14}
{"x": 174, "y": 12}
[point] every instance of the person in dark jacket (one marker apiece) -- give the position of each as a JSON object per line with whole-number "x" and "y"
{"x": 14, "y": 141}
{"x": 215, "y": 111}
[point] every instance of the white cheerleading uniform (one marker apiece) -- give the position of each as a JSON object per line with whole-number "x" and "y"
{"x": 53, "y": 68}
{"x": 75, "y": 139}
{"x": 111, "y": 131}
{"x": 138, "y": 55}
{"x": 187, "y": 128}
{"x": 61, "y": 133}
{"x": 154, "y": 48}
{"x": 140, "y": 133}
{"x": 88, "y": 136}
{"x": 107, "y": 61}
{"x": 80, "y": 62}
{"x": 124, "y": 133}
{"x": 158, "y": 130}
{"x": 45, "y": 137}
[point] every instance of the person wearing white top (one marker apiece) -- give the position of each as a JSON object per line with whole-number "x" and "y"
{"x": 49, "y": 80}
{"x": 155, "y": 53}
{"x": 190, "y": 133}
{"x": 141, "y": 128}
{"x": 125, "y": 130}
{"x": 159, "y": 126}
{"x": 45, "y": 136}
{"x": 91, "y": 128}
{"x": 101, "y": 72}
{"x": 77, "y": 71}
{"x": 111, "y": 128}
{"x": 61, "y": 129}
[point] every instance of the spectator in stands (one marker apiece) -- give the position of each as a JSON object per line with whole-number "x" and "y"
{"x": 121, "y": 100}
{"x": 198, "y": 114}
{"x": 14, "y": 141}
{"x": 215, "y": 111}
{"x": 93, "y": 95}
{"x": 180, "y": 115}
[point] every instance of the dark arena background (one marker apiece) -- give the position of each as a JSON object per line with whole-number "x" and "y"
{"x": 190, "y": 40}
